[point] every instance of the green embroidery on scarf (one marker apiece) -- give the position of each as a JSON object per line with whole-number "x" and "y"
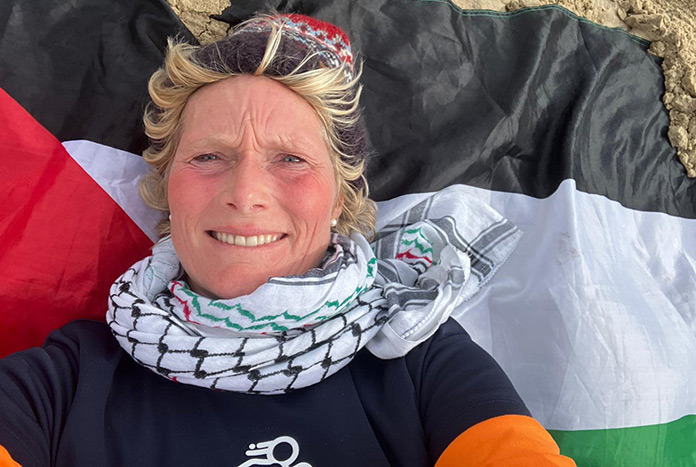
{"x": 336, "y": 306}
{"x": 246, "y": 313}
{"x": 371, "y": 267}
{"x": 419, "y": 233}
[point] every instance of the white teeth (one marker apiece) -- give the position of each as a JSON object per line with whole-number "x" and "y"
{"x": 245, "y": 241}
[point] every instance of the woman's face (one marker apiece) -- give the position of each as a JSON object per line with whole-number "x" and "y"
{"x": 251, "y": 187}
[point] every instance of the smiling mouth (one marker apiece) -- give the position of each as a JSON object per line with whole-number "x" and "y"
{"x": 238, "y": 240}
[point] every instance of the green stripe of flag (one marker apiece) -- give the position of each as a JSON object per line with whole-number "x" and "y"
{"x": 668, "y": 444}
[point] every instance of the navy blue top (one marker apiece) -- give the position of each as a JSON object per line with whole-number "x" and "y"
{"x": 81, "y": 400}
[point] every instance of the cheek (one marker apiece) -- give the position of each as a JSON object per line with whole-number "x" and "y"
{"x": 311, "y": 200}
{"x": 185, "y": 195}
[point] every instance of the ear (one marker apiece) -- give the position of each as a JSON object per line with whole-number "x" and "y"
{"x": 338, "y": 207}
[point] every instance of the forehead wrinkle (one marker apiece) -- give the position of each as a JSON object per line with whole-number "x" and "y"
{"x": 260, "y": 122}
{"x": 224, "y": 131}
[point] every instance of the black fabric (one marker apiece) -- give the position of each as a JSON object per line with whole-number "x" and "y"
{"x": 511, "y": 102}
{"x": 81, "y": 67}
{"x": 80, "y": 400}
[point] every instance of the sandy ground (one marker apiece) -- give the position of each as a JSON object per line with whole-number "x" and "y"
{"x": 670, "y": 25}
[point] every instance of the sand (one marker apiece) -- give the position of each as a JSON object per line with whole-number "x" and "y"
{"x": 670, "y": 25}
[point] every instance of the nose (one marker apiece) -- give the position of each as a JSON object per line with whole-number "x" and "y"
{"x": 248, "y": 186}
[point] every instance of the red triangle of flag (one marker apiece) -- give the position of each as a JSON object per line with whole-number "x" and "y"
{"x": 63, "y": 240}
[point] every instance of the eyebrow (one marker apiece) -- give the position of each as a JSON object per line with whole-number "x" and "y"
{"x": 297, "y": 143}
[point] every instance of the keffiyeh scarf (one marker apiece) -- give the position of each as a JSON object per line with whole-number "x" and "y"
{"x": 292, "y": 332}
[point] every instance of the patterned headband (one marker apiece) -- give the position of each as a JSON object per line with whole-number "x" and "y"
{"x": 326, "y": 40}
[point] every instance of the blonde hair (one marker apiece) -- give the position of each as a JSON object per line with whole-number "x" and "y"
{"x": 333, "y": 96}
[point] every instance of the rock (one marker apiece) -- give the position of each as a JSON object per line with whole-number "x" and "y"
{"x": 651, "y": 27}
{"x": 678, "y": 136}
{"x": 684, "y": 103}
{"x": 689, "y": 82}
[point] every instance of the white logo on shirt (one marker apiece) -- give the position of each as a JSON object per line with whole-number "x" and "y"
{"x": 266, "y": 448}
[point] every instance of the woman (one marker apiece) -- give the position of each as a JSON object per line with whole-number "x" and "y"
{"x": 265, "y": 284}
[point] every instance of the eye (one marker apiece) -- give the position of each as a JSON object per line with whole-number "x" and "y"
{"x": 202, "y": 158}
{"x": 290, "y": 158}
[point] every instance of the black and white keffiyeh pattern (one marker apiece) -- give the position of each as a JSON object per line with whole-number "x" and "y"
{"x": 292, "y": 332}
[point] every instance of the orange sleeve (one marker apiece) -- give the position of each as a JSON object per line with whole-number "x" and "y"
{"x": 6, "y": 460}
{"x": 514, "y": 440}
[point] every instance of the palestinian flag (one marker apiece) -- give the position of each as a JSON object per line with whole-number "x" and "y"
{"x": 554, "y": 121}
